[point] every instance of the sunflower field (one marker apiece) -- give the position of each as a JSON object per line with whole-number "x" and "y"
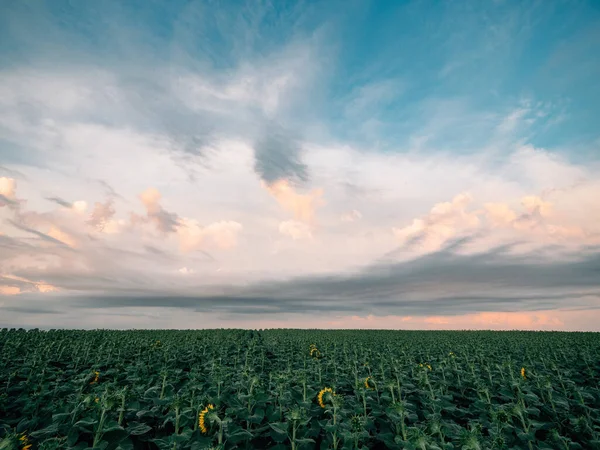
{"x": 299, "y": 389}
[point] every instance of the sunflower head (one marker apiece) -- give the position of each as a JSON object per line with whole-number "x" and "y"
{"x": 368, "y": 383}
{"x": 314, "y": 351}
{"x": 523, "y": 373}
{"x": 202, "y": 418}
{"x": 24, "y": 442}
{"x": 321, "y": 397}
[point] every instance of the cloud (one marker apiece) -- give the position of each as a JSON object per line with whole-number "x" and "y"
{"x": 294, "y": 229}
{"x": 78, "y": 206}
{"x": 447, "y": 282}
{"x": 101, "y": 215}
{"x": 499, "y": 214}
{"x": 15, "y": 285}
{"x": 165, "y": 222}
{"x": 60, "y": 202}
{"x": 43, "y": 236}
{"x": 224, "y": 234}
{"x": 277, "y": 157}
{"x": 351, "y": 216}
{"x": 62, "y": 236}
{"x": 9, "y": 290}
{"x": 445, "y": 221}
{"x": 302, "y": 206}
{"x": 539, "y": 320}
{"x": 369, "y": 99}
{"x": 8, "y": 188}
{"x": 536, "y": 206}
{"x": 537, "y": 222}
{"x": 192, "y": 236}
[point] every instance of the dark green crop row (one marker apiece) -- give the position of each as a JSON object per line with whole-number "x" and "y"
{"x": 299, "y": 389}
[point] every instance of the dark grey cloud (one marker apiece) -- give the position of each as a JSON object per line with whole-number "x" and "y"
{"x": 20, "y": 283}
{"x": 4, "y": 200}
{"x": 446, "y": 282}
{"x": 156, "y": 251}
{"x": 11, "y": 247}
{"x": 60, "y": 201}
{"x": 39, "y": 234}
{"x": 166, "y": 222}
{"x": 110, "y": 191}
{"x": 27, "y": 310}
{"x": 278, "y": 155}
{"x": 11, "y": 173}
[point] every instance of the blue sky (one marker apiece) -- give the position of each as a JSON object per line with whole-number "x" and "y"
{"x": 402, "y": 61}
{"x": 246, "y": 143}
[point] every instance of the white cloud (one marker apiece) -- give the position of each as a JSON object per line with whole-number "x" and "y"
{"x": 296, "y": 230}
{"x": 193, "y": 236}
{"x": 445, "y": 220}
{"x": 80, "y": 206}
{"x": 351, "y": 216}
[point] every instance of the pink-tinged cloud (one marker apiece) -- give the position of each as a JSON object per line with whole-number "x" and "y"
{"x": 79, "y": 206}
{"x": 62, "y": 236}
{"x": 20, "y": 285}
{"x": 444, "y": 221}
{"x": 302, "y": 206}
{"x": 224, "y": 234}
{"x": 44, "y": 288}
{"x": 499, "y": 214}
{"x": 8, "y": 189}
{"x": 534, "y": 320}
{"x": 101, "y": 216}
{"x": 437, "y": 320}
{"x": 536, "y": 205}
{"x": 193, "y": 236}
{"x": 351, "y": 216}
{"x": 164, "y": 221}
{"x": 537, "y": 220}
{"x": 9, "y": 290}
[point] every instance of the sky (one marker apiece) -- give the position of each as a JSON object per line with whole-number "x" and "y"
{"x": 303, "y": 164}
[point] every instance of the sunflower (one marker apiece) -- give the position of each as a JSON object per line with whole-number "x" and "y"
{"x": 96, "y": 377}
{"x": 314, "y": 351}
{"x": 367, "y": 385}
{"x": 24, "y": 442}
{"x": 202, "y": 417}
{"x": 322, "y": 395}
{"x": 523, "y": 373}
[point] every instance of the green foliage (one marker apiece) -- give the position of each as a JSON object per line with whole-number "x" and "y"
{"x": 126, "y": 390}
